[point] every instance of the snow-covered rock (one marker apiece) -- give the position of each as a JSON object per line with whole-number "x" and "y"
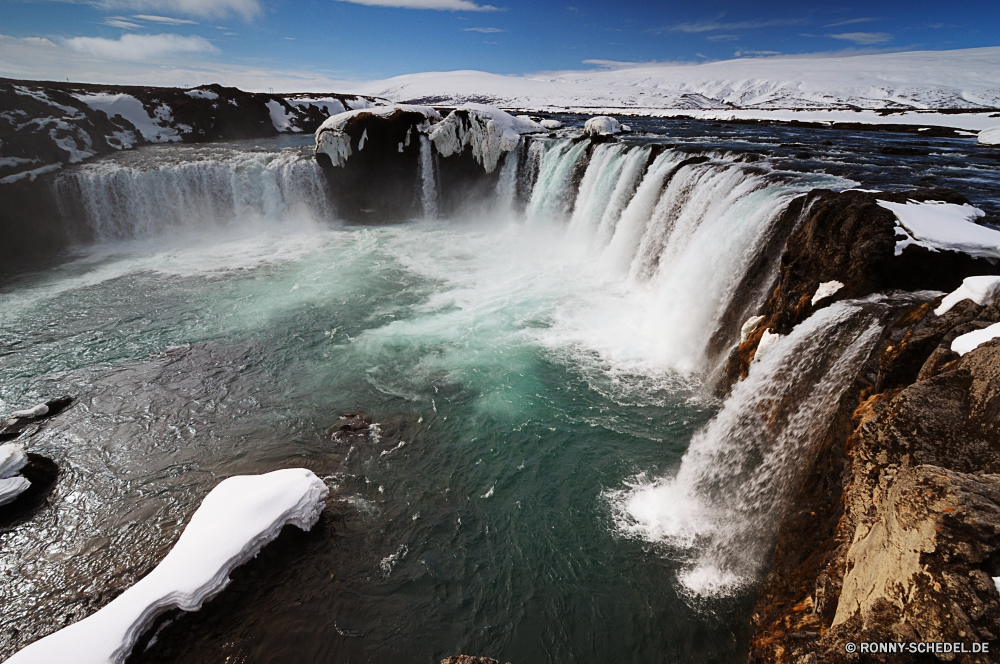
{"x": 489, "y": 131}
{"x": 948, "y": 226}
{"x": 11, "y": 488}
{"x": 233, "y": 523}
{"x": 155, "y": 128}
{"x": 202, "y": 94}
{"x": 33, "y": 412}
{"x": 972, "y": 340}
{"x": 550, "y": 124}
{"x": 602, "y": 125}
{"x": 334, "y": 141}
{"x": 767, "y": 341}
{"x": 280, "y": 118}
{"x": 981, "y": 290}
{"x": 990, "y": 136}
{"x": 12, "y": 460}
{"x": 826, "y": 289}
{"x": 749, "y": 327}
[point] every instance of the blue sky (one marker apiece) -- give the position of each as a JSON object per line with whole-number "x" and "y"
{"x": 304, "y": 43}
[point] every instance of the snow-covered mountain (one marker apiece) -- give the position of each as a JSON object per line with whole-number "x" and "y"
{"x": 960, "y": 79}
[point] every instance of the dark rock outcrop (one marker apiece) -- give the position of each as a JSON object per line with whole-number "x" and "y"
{"x": 468, "y": 659}
{"x": 895, "y": 533}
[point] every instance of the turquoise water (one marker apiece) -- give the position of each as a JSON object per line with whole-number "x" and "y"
{"x": 514, "y": 389}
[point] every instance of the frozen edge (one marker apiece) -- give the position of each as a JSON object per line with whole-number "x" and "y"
{"x": 259, "y": 504}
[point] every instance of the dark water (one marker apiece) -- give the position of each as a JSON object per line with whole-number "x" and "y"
{"x": 519, "y": 386}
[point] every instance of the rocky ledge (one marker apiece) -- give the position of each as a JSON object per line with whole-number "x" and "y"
{"x": 895, "y": 533}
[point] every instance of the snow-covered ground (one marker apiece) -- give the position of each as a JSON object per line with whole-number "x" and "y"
{"x": 236, "y": 519}
{"x": 947, "y": 226}
{"x": 959, "y": 79}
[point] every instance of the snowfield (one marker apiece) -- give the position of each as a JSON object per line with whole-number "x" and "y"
{"x": 236, "y": 519}
{"x": 916, "y": 80}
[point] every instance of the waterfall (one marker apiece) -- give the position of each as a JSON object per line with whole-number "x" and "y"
{"x": 551, "y": 197}
{"x": 428, "y": 183}
{"x": 120, "y": 200}
{"x": 721, "y": 510}
{"x": 506, "y": 192}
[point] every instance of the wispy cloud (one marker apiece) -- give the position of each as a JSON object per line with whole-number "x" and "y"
{"x": 743, "y": 53}
{"x": 121, "y": 22}
{"x": 864, "y": 37}
{"x": 719, "y": 38}
{"x": 138, "y": 47}
{"x": 613, "y": 64}
{"x": 248, "y": 9}
{"x": 853, "y": 21}
{"x": 485, "y": 31}
{"x": 164, "y": 19}
{"x": 713, "y": 26}
{"x": 441, "y": 5}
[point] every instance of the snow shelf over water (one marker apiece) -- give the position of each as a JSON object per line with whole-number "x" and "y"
{"x": 981, "y": 290}
{"x": 937, "y": 226}
{"x": 234, "y": 522}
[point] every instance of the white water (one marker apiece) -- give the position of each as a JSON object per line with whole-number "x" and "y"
{"x": 122, "y": 201}
{"x": 734, "y": 483}
{"x": 428, "y": 182}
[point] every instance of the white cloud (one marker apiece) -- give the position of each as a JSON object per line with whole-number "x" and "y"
{"x": 120, "y": 22}
{"x": 745, "y": 53}
{"x": 443, "y": 5}
{"x": 613, "y": 64}
{"x": 487, "y": 31}
{"x": 248, "y": 9}
{"x": 164, "y": 19}
{"x": 852, "y": 21}
{"x": 712, "y": 26}
{"x": 138, "y": 47}
{"x": 715, "y": 38}
{"x": 864, "y": 37}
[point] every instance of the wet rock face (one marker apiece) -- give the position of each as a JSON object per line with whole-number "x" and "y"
{"x": 848, "y": 238}
{"x": 897, "y": 530}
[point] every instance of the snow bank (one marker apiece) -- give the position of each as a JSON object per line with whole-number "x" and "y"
{"x": 981, "y": 290}
{"x": 765, "y": 344}
{"x": 234, "y": 522}
{"x": 972, "y": 340}
{"x": 602, "y": 125}
{"x": 490, "y": 131}
{"x": 34, "y": 411}
{"x": 153, "y": 129}
{"x": 826, "y": 289}
{"x": 11, "y": 488}
{"x": 12, "y": 460}
{"x": 280, "y": 118}
{"x": 333, "y": 141}
{"x": 948, "y": 226}
{"x": 990, "y": 136}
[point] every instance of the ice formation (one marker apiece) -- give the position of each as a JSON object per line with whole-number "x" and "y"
{"x": 233, "y": 523}
{"x": 972, "y": 340}
{"x": 602, "y": 125}
{"x": 826, "y": 289}
{"x": 490, "y": 131}
{"x": 990, "y": 136}
{"x": 333, "y": 141}
{"x": 767, "y": 341}
{"x": 981, "y": 290}
{"x": 749, "y": 327}
{"x": 947, "y": 226}
{"x": 34, "y": 411}
{"x": 550, "y": 124}
{"x": 12, "y": 460}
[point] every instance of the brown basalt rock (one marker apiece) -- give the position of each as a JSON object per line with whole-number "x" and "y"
{"x": 467, "y": 659}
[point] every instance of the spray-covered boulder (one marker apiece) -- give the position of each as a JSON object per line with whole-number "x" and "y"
{"x": 990, "y": 136}
{"x": 602, "y": 125}
{"x": 487, "y": 132}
